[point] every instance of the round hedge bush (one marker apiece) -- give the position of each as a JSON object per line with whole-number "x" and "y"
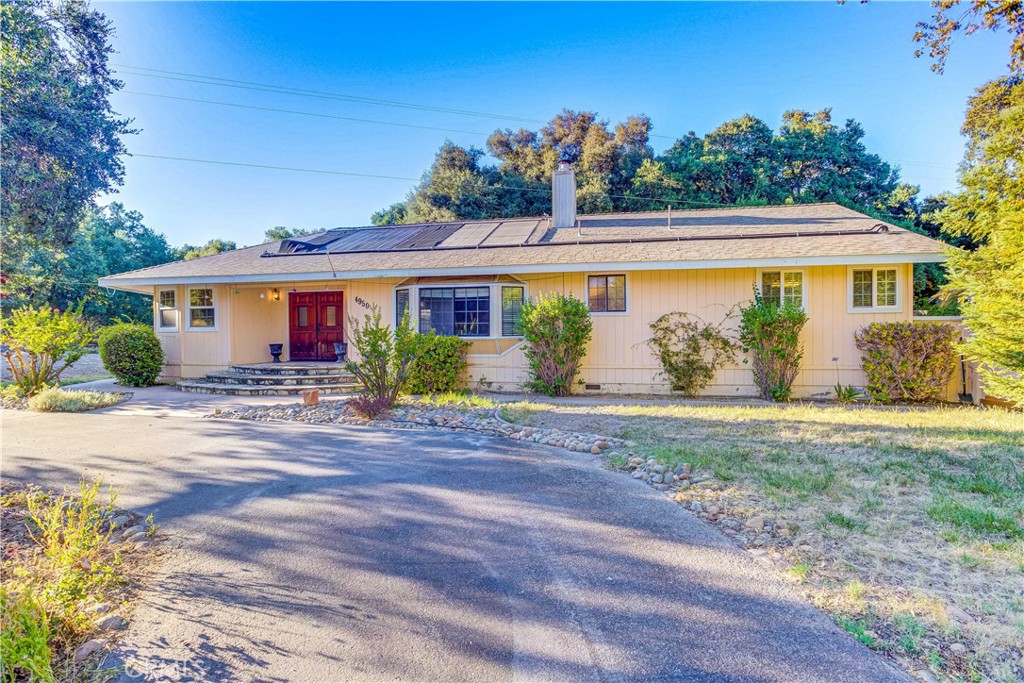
{"x": 132, "y": 354}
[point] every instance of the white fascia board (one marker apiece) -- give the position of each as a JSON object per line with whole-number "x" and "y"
{"x": 798, "y": 261}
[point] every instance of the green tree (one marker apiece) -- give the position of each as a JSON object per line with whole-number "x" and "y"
{"x": 951, "y": 17}
{"x": 990, "y": 210}
{"x": 41, "y": 343}
{"x": 61, "y": 143}
{"x": 279, "y": 232}
{"x": 108, "y": 240}
{"x": 187, "y": 252}
{"x": 392, "y": 215}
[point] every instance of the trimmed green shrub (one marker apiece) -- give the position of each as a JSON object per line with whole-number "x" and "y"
{"x": 132, "y": 354}
{"x": 770, "y": 333}
{"x": 385, "y": 362}
{"x": 907, "y": 361}
{"x": 57, "y": 400}
{"x": 440, "y": 365}
{"x": 691, "y": 351}
{"x": 42, "y": 343}
{"x": 557, "y": 328}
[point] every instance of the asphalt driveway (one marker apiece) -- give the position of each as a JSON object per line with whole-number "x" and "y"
{"x": 325, "y": 553}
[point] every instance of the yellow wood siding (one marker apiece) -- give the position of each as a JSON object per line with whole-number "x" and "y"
{"x": 618, "y": 358}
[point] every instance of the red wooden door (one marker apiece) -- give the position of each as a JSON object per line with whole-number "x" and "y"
{"x": 330, "y": 318}
{"x": 302, "y": 326}
{"x": 315, "y": 322}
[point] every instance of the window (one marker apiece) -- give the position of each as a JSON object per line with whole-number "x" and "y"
{"x": 874, "y": 288}
{"x": 167, "y": 310}
{"x": 511, "y": 306}
{"x": 401, "y": 305}
{"x": 782, "y": 287}
{"x": 201, "y": 311}
{"x": 461, "y": 311}
{"x": 606, "y": 293}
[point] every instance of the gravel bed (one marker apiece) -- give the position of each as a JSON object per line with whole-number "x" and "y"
{"x": 462, "y": 418}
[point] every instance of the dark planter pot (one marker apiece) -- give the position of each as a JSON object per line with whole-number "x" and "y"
{"x": 340, "y": 349}
{"x": 275, "y": 351}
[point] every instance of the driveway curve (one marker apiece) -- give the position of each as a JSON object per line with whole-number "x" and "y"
{"x": 330, "y": 553}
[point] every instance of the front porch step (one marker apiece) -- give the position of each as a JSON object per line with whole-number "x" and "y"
{"x": 235, "y": 377}
{"x": 289, "y": 369}
{"x": 202, "y": 386}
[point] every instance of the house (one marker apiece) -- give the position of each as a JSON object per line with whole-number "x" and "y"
{"x": 469, "y": 278}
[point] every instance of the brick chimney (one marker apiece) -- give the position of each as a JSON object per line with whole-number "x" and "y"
{"x": 563, "y": 196}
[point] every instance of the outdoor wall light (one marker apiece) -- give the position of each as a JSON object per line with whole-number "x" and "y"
{"x": 275, "y": 294}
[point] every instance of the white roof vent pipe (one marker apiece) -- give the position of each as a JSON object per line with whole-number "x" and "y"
{"x": 563, "y": 196}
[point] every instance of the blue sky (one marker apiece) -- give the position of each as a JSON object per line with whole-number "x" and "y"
{"x": 687, "y": 66}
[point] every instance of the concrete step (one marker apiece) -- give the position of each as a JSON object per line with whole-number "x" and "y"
{"x": 289, "y": 369}
{"x": 198, "y": 386}
{"x": 234, "y": 377}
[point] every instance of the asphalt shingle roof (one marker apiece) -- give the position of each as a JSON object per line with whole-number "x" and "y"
{"x": 696, "y": 238}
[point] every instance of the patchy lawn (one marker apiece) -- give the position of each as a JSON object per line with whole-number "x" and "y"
{"x": 907, "y": 526}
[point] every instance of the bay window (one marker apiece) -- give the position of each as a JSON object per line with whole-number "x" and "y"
{"x": 460, "y": 311}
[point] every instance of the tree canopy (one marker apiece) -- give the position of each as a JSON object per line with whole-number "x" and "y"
{"x": 744, "y": 161}
{"x": 61, "y": 140}
{"x": 989, "y": 280}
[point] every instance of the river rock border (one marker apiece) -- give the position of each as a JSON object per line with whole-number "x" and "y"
{"x": 457, "y": 417}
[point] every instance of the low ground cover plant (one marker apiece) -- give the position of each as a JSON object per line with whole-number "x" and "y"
{"x": 557, "y": 329}
{"x": 57, "y": 400}
{"x": 907, "y": 361}
{"x": 42, "y": 343}
{"x": 57, "y": 561}
{"x": 906, "y": 526}
{"x": 691, "y": 350}
{"x": 132, "y": 354}
{"x": 385, "y": 362}
{"x": 440, "y": 365}
{"x": 770, "y": 334}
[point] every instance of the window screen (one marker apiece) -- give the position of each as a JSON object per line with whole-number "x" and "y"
{"x": 511, "y": 306}
{"x": 401, "y": 305}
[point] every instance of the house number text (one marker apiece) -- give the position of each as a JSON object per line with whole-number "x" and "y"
{"x": 362, "y": 302}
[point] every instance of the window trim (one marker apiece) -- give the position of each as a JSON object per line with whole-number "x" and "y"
{"x": 214, "y": 307}
{"x": 455, "y": 288}
{"x": 413, "y": 317}
{"x": 782, "y": 274}
{"x": 160, "y": 309}
{"x": 495, "y": 297}
{"x": 586, "y": 291}
{"x": 501, "y": 311}
{"x": 874, "y": 307}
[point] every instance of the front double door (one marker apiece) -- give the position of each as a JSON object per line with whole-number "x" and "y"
{"x": 315, "y": 321}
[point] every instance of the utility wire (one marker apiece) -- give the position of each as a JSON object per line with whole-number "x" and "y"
{"x": 287, "y": 90}
{"x": 303, "y": 113}
{"x": 489, "y": 187}
{"x": 302, "y": 92}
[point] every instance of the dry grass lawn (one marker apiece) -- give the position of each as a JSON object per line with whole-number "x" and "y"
{"x": 907, "y": 526}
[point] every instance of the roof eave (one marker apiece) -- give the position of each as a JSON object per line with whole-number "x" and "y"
{"x": 127, "y": 283}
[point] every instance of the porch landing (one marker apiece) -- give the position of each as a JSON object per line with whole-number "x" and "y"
{"x": 274, "y": 379}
